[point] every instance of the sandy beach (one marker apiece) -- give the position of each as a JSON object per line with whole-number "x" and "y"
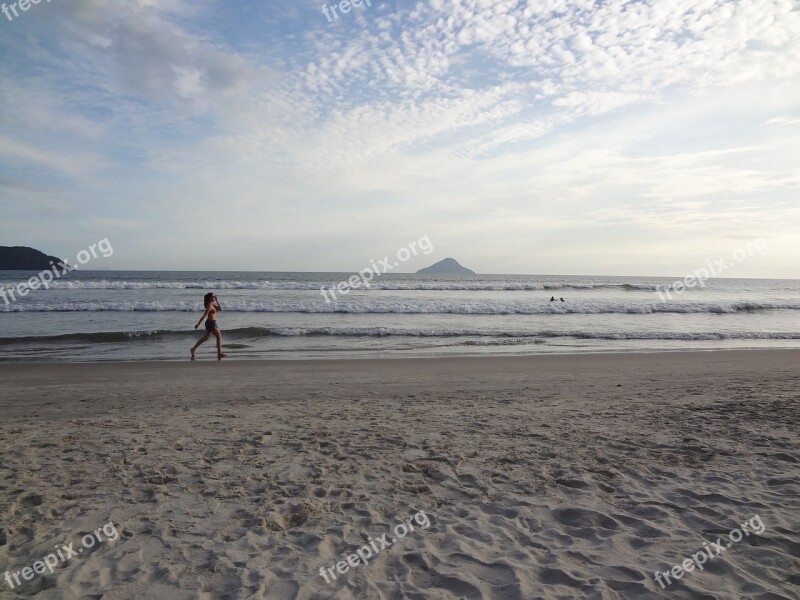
{"x": 539, "y": 477}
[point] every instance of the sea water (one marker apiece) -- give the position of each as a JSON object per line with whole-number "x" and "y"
{"x": 136, "y": 315}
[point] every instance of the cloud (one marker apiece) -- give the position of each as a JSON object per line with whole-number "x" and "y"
{"x": 478, "y": 116}
{"x": 781, "y": 121}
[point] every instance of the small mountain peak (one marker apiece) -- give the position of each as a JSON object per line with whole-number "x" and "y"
{"x": 447, "y": 266}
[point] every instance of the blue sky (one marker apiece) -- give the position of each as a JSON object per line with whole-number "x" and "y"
{"x": 553, "y": 137}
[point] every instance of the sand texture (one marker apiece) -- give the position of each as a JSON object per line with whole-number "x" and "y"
{"x": 542, "y": 477}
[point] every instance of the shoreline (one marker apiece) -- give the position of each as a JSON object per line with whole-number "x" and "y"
{"x": 398, "y": 357}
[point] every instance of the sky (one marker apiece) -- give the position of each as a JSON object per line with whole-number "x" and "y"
{"x": 595, "y": 137}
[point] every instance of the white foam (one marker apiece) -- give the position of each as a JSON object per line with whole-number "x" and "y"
{"x": 79, "y": 284}
{"x": 375, "y": 305}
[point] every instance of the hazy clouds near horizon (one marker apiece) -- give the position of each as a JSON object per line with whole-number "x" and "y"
{"x": 590, "y": 137}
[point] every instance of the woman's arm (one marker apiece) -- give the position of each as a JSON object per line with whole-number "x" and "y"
{"x": 201, "y": 319}
{"x": 219, "y": 306}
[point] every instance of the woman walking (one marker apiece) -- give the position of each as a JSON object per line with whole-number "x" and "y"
{"x": 210, "y": 315}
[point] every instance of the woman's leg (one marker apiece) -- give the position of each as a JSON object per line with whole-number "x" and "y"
{"x": 200, "y": 341}
{"x": 218, "y": 333}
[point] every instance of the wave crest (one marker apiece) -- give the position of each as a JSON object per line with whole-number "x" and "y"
{"x": 399, "y": 306}
{"x": 511, "y": 337}
{"x": 388, "y": 285}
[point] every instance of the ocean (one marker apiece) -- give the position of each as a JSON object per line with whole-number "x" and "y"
{"x": 137, "y": 315}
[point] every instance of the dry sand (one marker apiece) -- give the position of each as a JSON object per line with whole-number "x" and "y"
{"x": 542, "y": 477}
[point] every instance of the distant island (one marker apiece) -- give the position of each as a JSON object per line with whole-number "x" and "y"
{"x": 22, "y": 258}
{"x": 448, "y": 266}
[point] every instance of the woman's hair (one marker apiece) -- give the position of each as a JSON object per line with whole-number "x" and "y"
{"x": 207, "y": 299}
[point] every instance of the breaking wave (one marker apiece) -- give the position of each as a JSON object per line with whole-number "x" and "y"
{"x": 512, "y": 336}
{"x": 402, "y": 306}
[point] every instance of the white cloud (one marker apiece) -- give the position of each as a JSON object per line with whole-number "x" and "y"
{"x": 479, "y": 118}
